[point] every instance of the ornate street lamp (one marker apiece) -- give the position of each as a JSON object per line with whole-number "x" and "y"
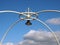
{"x": 28, "y": 16}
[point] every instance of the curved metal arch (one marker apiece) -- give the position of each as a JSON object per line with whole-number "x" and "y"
{"x": 5, "y": 34}
{"x": 48, "y": 11}
{"x": 49, "y": 30}
{"x": 4, "y": 11}
{"x": 37, "y": 20}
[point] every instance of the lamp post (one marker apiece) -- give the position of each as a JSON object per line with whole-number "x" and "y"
{"x": 28, "y": 16}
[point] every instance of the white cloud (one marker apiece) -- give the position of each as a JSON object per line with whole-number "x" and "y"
{"x": 38, "y": 38}
{"x": 9, "y": 43}
{"x": 55, "y": 21}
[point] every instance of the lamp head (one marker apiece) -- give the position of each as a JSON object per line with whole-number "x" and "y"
{"x": 28, "y": 22}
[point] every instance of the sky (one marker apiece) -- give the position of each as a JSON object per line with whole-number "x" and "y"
{"x": 20, "y": 30}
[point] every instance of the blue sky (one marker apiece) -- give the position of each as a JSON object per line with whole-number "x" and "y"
{"x": 17, "y": 32}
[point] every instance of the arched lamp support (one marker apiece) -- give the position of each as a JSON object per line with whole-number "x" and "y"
{"x": 34, "y": 18}
{"x": 49, "y": 30}
{"x": 5, "y": 34}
